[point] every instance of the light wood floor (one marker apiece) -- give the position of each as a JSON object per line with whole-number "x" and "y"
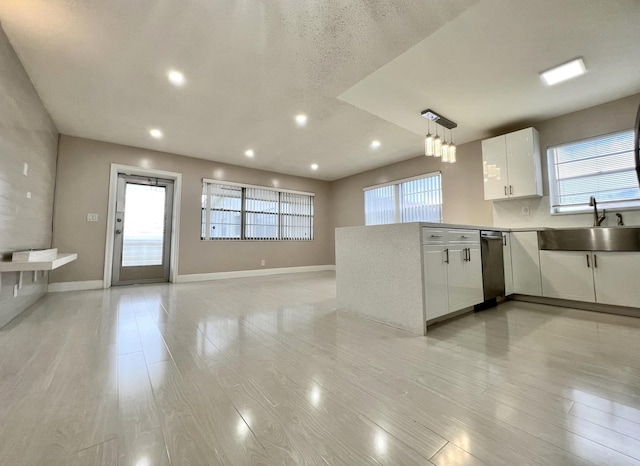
{"x": 265, "y": 371}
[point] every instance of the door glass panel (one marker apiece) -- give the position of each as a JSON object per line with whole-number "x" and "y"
{"x": 143, "y": 235}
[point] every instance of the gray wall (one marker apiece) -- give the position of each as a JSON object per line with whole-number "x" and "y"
{"x": 83, "y": 187}
{"x": 462, "y": 189}
{"x": 462, "y": 185}
{"x": 27, "y": 134}
{"x": 613, "y": 116}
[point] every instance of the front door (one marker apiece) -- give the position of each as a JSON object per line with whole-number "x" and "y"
{"x": 142, "y": 244}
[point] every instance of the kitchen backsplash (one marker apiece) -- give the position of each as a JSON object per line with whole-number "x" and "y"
{"x": 509, "y": 214}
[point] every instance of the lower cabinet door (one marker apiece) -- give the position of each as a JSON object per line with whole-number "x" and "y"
{"x": 465, "y": 278}
{"x": 616, "y": 276}
{"x": 508, "y": 269}
{"x": 525, "y": 263}
{"x": 435, "y": 281}
{"x": 473, "y": 277}
{"x": 567, "y": 275}
{"x": 458, "y": 293}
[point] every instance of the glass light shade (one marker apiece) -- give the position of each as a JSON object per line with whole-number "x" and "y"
{"x": 445, "y": 152}
{"x": 437, "y": 147}
{"x": 452, "y": 153}
{"x": 428, "y": 145}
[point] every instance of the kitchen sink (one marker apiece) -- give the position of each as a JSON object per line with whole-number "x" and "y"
{"x": 591, "y": 239}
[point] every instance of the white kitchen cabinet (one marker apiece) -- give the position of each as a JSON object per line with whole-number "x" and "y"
{"x": 616, "y": 278}
{"x": 525, "y": 261}
{"x": 452, "y": 271}
{"x": 508, "y": 269}
{"x": 511, "y": 165}
{"x": 474, "y": 293}
{"x": 465, "y": 277}
{"x": 494, "y": 166}
{"x": 567, "y": 275}
{"x": 435, "y": 281}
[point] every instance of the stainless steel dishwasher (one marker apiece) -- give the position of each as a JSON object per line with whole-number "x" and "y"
{"x": 492, "y": 267}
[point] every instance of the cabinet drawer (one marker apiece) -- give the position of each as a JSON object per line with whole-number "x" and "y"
{"x": 434, "y": 236}
{"x": 463, "y": 237}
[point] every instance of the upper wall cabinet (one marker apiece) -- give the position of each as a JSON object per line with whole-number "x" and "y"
{"x": 511, "y": 165}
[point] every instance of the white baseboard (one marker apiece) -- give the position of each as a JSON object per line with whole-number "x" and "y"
{"x": 75, "y": 286}
{"x": 203, "y": 277}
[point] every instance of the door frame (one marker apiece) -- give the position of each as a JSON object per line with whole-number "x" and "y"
{"x": 117, "y": 169}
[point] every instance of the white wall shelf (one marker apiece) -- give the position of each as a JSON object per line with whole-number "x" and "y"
{"x": 59, "y": 261}
{"x": 25, "y": 266}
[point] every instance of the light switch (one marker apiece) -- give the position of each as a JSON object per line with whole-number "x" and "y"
{"x": 92, "y": 217}
{"x": 25, "y": 169}
{"x": 28, "y": 194}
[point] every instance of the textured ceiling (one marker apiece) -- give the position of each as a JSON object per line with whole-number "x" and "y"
{"x": 100, "y": 68}
{"x": 482, "y": 70}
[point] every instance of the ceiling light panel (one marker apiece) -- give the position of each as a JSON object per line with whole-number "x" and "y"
{"x": 564, "y": 72}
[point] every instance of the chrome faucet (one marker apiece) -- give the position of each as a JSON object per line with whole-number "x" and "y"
{"x": 597, "y": 220}
{"x": 620, "y": 220}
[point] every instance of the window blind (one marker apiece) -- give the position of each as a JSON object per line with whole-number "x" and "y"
{"x": 602, "y": 167}
{"x": 416, "y": 199}
{"x": 245, "y": 212}
{"x": 296, "y": 215}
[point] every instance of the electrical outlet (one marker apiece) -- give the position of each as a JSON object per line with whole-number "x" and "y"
{"x": 92, "y": 217}
{"x": 526, "y": 210}
{"x": 263, "y": 262}
{"x": 25, "y": 169}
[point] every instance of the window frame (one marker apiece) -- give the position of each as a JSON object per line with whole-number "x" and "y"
{"x": 556, "y": 208}
{"x": 282, "y": 234}
{"x": 398, "y": 195}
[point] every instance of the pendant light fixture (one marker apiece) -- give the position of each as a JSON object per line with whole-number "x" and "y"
{"x": 445, "y": 148}
{"x": 452, "y": 150}
{"x": 428, "y": 141}
{"x": 435, "y": 146}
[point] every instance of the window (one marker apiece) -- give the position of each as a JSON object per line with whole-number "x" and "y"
{"x": 416, "y": 199}
{"x": 234, "y": 211}
{"x": 602, "y": 167}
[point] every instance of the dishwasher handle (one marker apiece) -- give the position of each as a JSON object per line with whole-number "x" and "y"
{"x": 491, "y": 237}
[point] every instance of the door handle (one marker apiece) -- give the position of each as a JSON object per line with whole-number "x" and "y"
{"x": 504, "y": 240}
{"x": 446, "y": 260}
{"x": 588, "y": 265}
{"x": 118, "y": 232}
{"x": 505, "y": 190}
{"x": 595, "y": 261}
{"x": 510, "y": 189}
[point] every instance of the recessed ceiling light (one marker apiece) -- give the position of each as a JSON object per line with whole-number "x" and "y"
{"x": 375, "y": 144}
{"x": 564, "y": 72}
{"x": 249, "y": 153}
{"x": 301, "y": 119}
{"x": 155, "y": 133}
{"x": 314, "y": 166}
{"x": 176, "y": 77}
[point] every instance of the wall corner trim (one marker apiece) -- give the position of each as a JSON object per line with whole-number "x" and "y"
{"x": 202, "y": 277}
{"x": 75, "y": 286}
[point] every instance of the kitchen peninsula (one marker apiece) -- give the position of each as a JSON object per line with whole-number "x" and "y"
{"x": 407, "y": 274}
